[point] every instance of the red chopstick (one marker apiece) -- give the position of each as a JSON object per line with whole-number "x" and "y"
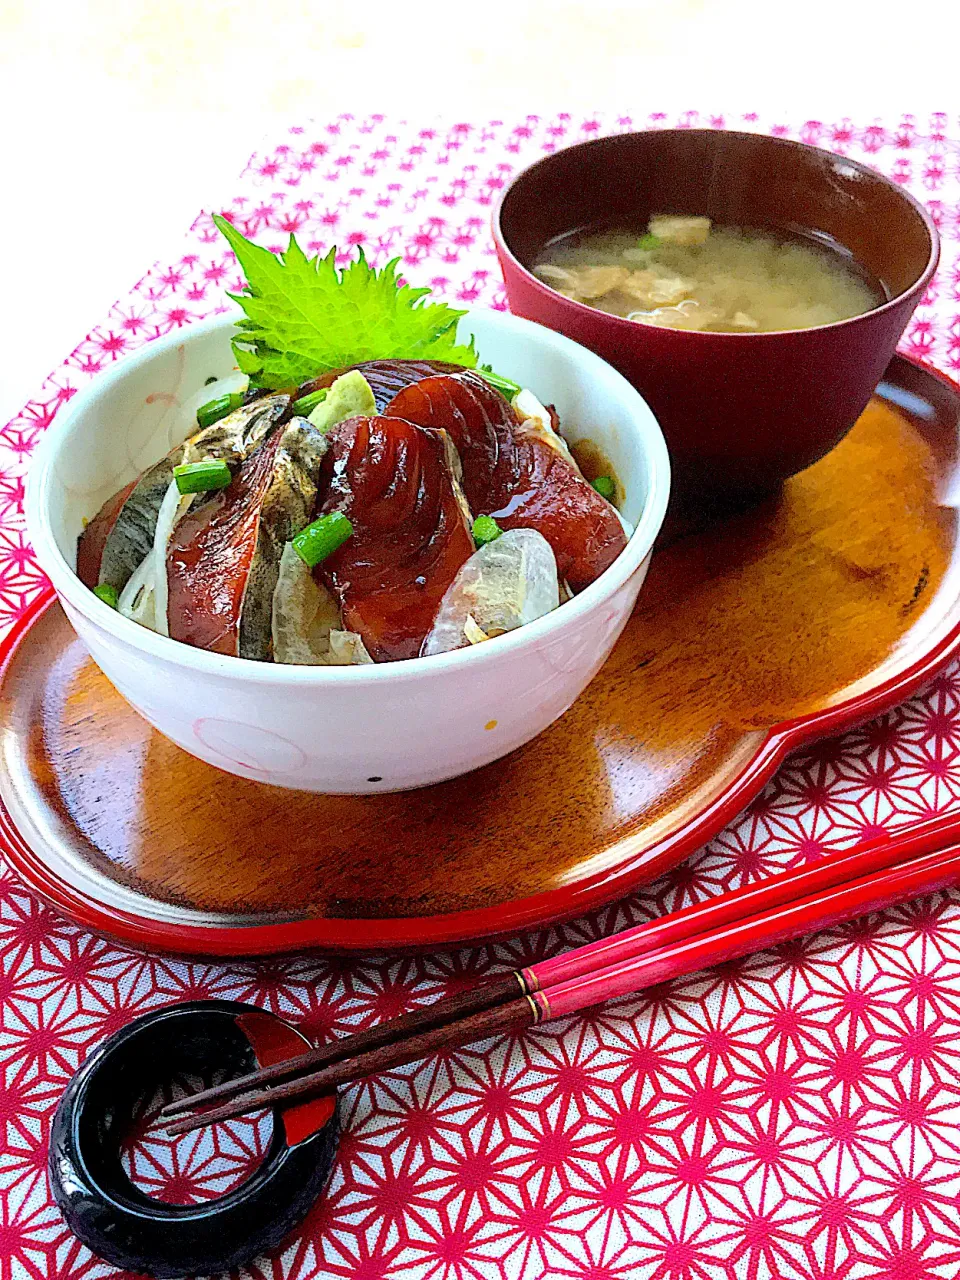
{"x": 835, "y": 868}
{"x": 938, "y": 870}
{"x": 628, "y": 973}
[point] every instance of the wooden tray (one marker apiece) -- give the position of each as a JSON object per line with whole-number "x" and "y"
{"x": 794, "y": 620}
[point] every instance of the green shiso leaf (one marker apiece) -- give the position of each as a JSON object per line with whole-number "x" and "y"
{"x": 304, "y": 316}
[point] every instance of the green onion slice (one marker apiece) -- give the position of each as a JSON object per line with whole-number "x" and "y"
{"x": 504, "y": 385}
{"x": 485, "y": 529}
{"x": 322, "y": 538}
{"x": 606, "y": 487}
{"x": 306, "y": 404}
{"x": 107, "y": 594}
{"x": 199, "y": 477}
{"x": 214, "y": 410}
{"x": 649, "y": 241}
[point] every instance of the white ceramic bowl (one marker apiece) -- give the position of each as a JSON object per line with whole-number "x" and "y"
{"x": 343, "y": 729}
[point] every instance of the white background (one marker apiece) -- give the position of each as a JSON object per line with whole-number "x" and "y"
{"x": 122, "y": 118}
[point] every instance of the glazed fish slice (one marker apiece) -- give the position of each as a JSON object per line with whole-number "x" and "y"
{"x": 399, "y": 487}
{"x": 93, "y": 540}
{"x": 386, "y": 377}
{"x": 121, "y": 535}
{"x": 224, "y": 556}
{"x": 517, "y": 469}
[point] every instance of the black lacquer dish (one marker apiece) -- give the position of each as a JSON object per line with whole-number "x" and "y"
{"x": 116, "y": 1219}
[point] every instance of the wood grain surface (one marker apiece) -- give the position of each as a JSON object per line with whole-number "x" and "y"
{"x": 777, "y": 612}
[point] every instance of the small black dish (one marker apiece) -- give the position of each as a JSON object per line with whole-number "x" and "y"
{"x": 121, "y": 1224}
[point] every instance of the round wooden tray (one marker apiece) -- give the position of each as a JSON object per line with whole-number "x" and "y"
{"x": 794, "y": 620}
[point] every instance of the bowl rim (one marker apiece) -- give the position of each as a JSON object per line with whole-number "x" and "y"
{"x": 71, "y": 589}
{"x": 625, "y": 326}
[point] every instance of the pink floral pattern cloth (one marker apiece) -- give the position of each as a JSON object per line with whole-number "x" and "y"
{"x": 796, "y": 1114}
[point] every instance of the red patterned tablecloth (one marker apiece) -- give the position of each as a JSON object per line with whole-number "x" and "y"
{"x": 796, "y": 1114}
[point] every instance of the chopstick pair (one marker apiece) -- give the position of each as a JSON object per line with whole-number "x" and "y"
{"x": 839, "y": 887}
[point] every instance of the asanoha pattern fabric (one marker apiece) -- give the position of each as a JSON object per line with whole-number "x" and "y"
{"x": 796, "y": 1114}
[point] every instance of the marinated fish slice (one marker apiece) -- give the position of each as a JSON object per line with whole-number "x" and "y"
{"x": 478, "y": 420}
{"x": 236, "y": 436}
{"x": 398, "y": 486}
{"x": 504, "y": 585}
{"x": 542, "y": 422}
{"x": 304, "y": 613}
{"x": 121, "y": 535}
{"x": 124, "y": 532}
{"x": 224, "y": 556}
{"x": 586, "y": 532}
{"x": 517, "y": 469}
{"x": 94, "y": 537}
{"x": 386, "y": 377}
{"x": 144, "y": 598}
{"x": 210, "y": 555}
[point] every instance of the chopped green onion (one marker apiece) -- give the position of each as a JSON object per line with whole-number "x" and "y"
{"x": 107, "y": 594}
{"x": 649, "y": 241}
{"x": 506, "y": 386}
{"x": 306, "y": 404}
{"x": 322, "y": 538}
{"x": 485, "y": 529}
{"x": 199, "y": 477}
{"x": 606, "y": 487}
{"x": 214, "y": 410}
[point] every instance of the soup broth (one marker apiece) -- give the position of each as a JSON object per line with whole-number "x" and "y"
{"x": 685, "y": 273}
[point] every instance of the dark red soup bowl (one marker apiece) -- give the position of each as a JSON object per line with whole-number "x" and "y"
{"x": 741, "y": 411}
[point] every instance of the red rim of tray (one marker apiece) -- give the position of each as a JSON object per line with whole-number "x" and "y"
{"x": 503, "y": 919}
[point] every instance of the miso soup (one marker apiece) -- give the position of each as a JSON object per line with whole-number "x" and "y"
{"x": 685, "y": 273}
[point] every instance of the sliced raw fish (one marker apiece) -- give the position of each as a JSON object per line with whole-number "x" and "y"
{"x": 119, "y": 538}
{"x": 504, "y": 585}
{"x": 399, "y": 487}
{"x": 518, "y": 469}
{"x": 224, "y": 555}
